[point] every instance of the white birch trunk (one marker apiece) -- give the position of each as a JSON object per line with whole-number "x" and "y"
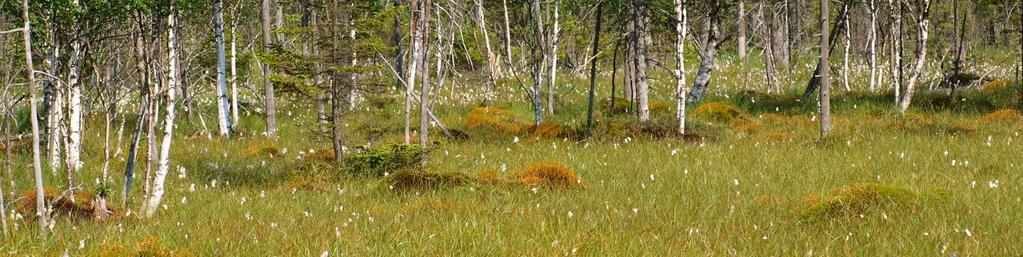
{"x": 168, "y": 131}
{"x": 74, "y": 145}
{"x": 556, "y": 34}
{"x": 223, "y": 120}
{"x": 413, "y": 67}
{"x": 491, "y": 59}
{"x": 680, "y": 76}
{"x": 872, "y": 49}
{"x": 234, "y": 74}
{"x": 922, "y": 24}
{"x": 37, "y": 167}
{"x": 845, "y": 59}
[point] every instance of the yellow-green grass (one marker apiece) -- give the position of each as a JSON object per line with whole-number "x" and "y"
{"x": 745, "y": 192}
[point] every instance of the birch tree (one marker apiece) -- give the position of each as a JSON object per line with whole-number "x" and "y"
{"x": 640, "y": 49}
{"x": 223, "y": 110}
{"x": 741, "y": 24}
{"x": 680, "y": 77}
{"x": 872, "y": 76}
{"x": 709, "y": 54}
{"x": 74, "y": 91}
{"x": 554, "y": 38}
{"x": 37, "y": 168}
{"x": 920, "y": 12}
{"x": 159, "y": 177}
{"x": 825, "y": 74}
{"x": 416, "y": 47}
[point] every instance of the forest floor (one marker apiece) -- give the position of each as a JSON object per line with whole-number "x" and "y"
{"x": 752, "y": 180}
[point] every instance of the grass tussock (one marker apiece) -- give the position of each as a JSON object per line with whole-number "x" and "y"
{"x": 860, "y": 199}
{"x": 405, "y": 181}
{"x": 488, "y": 176}
{"x": 547, "y": 130}
{"x": 493, "y": 119}
{"x": 385, "y": 160}
{"x": 1002, "y": 115}
{"x": 62, "y": 204}
{"x": 549, "y": 174}
{"x": 308, "y": 181}
{"x": 149, "y": 246}
{"x": 262, "y": 148}
{"x": 719, "y": 112}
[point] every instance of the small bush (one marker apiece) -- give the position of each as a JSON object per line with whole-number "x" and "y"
{"x": 720, "y": 112}
{"x": 859, "y": 199}
{"x": 1002, "y": 115}
{"x": 417, "y": 180}
{"x": 493, "y": 119}
{"x": 550, "y": 175}
{"x": 385, "y": 160}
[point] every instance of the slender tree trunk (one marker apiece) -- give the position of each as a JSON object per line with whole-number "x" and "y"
{"x": 507, "y": 38}
{"x": 555, "y": 36}
{"x": 140, "y": 120}
{"x": 223, "y": 108}
{"x": 271, "y": 102}
{"x": 417, "y": 37}
{"x": 593, "y": 65}
{"x": 424, "y": 92}
{"x": 680, "y": 59}
{"x": 234, "y": 72}
{"x": 74, "y": 145}
{"x": 825, "y": 74}
{"x": 160, "y": 175}
{"x": 921, "y": 16}
{"x": 845, "y": 58}
{"x": 492, "y": 61}
{"x": 897, "y": 46}
{"x": 37, "y": 166}
{"x": 536, "y": 54}
{"x": 872, "y": 50}
{"x": 710, "y": 51}
{"x": 741, "y": 40}
{"x": 642, "y": 87}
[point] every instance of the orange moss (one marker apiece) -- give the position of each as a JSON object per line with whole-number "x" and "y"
{"x": 305, "y": 181}
{"x": 62, "y": 205}
{"x": 551, "y": 175}
{"x": 996, "y": 87}
{"x": 487, "y": 176}
{"x": 1002, "y": 115}
{"x": 546, "y": 130}
{"x": 262, "y": 147}
{"x": 746, "y": 127}
{"x": 493, "y": 119}
{"x": 722, "y": 112}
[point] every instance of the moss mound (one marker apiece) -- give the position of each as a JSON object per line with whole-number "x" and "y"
{"x": 718, "y": 112}
{"x": 1002, "y": 115}
{"x": 416, "y": 180}
{"x": 860, "y": 199}
{"x": 493, "y": 119}
{"x": 547, "y": 130}
{"x": 549, "y": 174}
{"x": 63, "y": 205}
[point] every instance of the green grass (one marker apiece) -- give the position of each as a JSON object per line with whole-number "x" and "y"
{"x": 948, "y": 183}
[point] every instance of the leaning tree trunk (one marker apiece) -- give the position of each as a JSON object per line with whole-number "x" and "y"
{"x": 920, "y": 15}
{"x": 709, "y": 53}
{"x": 223, "y": 110}
{"x": 37, "y": 166}
{"x": 492, "y": 61}
{"x": 825, "y": 74}
{"x": 163, "y": 167}
{"x": 680, "y": 76}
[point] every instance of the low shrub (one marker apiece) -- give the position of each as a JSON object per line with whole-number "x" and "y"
{"x": 385, "y": 160}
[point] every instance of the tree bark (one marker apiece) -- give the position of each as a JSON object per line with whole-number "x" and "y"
{"x": 424, "y": 92}
{"x": 825, "y": 74}
{"x": 872, "y": 50}
{"x": 223, "y": 109}
{"x": 741, "y": 40}
{"x": 417, "y": 37}
{"x": 36, "y": 162}
{"x": 640, "y": 44}
{"x": 555, "y": 37}
{"x": 921, "y": 15}
{"x": 680, "y": 77}
{"x": 271, "y": 102}
{"x": 709, "y": 54}
{"x": 593, "y": 65}
{"x": 159, "y": 177}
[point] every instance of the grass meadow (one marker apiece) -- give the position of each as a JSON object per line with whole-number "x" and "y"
{"x": 752, "y": 179}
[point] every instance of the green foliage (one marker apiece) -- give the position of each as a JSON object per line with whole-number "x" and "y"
{"x": 385, "y": 160}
